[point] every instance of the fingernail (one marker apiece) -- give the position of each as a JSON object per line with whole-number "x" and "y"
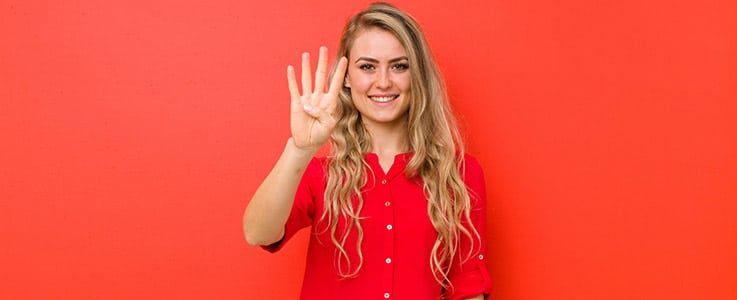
{"x": 308, "y": 108}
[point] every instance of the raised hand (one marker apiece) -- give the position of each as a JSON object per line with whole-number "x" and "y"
{"x": 312, "y": 112}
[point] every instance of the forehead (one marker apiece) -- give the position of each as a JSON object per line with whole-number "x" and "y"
{"x": 376, "y": 43}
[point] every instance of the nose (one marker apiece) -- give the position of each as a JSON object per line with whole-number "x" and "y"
{"x": 383, "y": 81}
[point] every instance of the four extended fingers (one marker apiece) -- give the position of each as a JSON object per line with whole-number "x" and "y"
{"x": 312, "y": 104}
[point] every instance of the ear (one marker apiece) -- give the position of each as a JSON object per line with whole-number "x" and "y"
{"x": 347, "y": 81}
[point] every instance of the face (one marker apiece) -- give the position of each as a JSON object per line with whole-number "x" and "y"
{"x": 379, "y": 78}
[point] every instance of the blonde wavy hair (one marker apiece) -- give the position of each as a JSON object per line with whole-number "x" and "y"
{"x": 433, "y": 137}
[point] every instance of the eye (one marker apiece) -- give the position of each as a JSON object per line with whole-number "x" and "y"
{"x": 366, "y": 67}
{"x": 401, "y": 66}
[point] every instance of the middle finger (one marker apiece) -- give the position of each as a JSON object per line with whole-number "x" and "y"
{"x": 321, "y": 73}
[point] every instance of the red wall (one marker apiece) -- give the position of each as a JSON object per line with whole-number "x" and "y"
{"x": 133, "y": 133}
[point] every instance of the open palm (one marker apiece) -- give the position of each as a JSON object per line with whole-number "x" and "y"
{"x": 312, "y": 111}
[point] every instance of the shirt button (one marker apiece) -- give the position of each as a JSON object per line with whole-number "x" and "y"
{"x": 388, "y": 260}
{"x": 481, "y": 256}
{"x": 383, "y": 181}
{"x": 387, "y": 203}
{"x": 386, "y": 295}
{"x": 389, "y": 227}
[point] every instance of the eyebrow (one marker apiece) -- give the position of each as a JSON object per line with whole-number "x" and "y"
{"x": 374, "y": 60}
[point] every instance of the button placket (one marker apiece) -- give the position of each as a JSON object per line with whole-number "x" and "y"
{"x": 388, "y": 247}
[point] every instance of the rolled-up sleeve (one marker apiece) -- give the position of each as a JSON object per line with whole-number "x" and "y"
{"x": 469, "y": 276}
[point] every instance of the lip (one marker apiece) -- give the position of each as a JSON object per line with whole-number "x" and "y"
{"x": 383, "y": 99}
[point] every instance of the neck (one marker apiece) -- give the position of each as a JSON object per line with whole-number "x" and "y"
{"x": 389, "y": 139}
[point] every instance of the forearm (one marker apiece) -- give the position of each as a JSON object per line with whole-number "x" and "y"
{"x": 479, "y": 297}
{"x": 268, "y": 210}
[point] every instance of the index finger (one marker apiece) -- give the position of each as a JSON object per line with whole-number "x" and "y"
{"x": 337, "y": 81}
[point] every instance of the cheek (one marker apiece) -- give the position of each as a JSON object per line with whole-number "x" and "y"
{"x": 359, "y": 83}
{"x": 404, "y": 82}
{"x": 357, "y": 90}
{"x": 354, "y": 95}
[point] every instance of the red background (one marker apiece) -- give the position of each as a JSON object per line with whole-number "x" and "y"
{"x": 134, "y": 132}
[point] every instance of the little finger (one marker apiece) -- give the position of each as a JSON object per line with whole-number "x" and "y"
{"x": 292, "y": 82}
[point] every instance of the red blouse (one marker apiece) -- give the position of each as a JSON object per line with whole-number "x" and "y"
{"x": 398, "y": 238}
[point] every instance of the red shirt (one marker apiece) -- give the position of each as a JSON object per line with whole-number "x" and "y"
{"x": 398, "y": 238}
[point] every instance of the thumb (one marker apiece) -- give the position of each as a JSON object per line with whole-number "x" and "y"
{"x": 322, "y": 116}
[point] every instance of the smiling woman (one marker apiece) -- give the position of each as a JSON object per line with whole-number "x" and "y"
{"x": 398, "y": 207}
{"x": 379, "y": 79}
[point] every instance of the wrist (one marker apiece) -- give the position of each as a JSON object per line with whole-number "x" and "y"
{"x": 307, "y": 152}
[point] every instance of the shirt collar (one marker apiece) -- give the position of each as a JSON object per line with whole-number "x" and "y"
{"x": 398, "y": 166}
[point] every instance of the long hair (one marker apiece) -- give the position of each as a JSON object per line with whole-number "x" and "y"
{"x": 433, "y": 137}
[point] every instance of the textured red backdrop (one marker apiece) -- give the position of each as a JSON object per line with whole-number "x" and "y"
{"x": 132, "y": 134}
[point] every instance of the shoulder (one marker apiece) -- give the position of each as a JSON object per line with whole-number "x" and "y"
{"x": 471, "y": 166}
{"x": 316, "y": 169}
{"x": 318, "y": 162}
{"x": 473, "y": 177}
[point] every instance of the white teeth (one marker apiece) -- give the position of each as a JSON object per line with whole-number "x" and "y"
{"x": 383, "y": 99}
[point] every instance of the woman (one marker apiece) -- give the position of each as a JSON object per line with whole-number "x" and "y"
{"x": 397, "y": 209}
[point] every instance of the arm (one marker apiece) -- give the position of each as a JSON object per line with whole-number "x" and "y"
{"x": 311, "y": 122}
{"x": 469, "y": 275}
{"x": 479, "y": 297}
{"x": 266, "y": 214}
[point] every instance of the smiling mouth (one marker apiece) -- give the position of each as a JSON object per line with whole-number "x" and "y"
{"x": 383, "y": 99}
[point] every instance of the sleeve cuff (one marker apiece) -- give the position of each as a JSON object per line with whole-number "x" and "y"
{"x": 471, "y": 283}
